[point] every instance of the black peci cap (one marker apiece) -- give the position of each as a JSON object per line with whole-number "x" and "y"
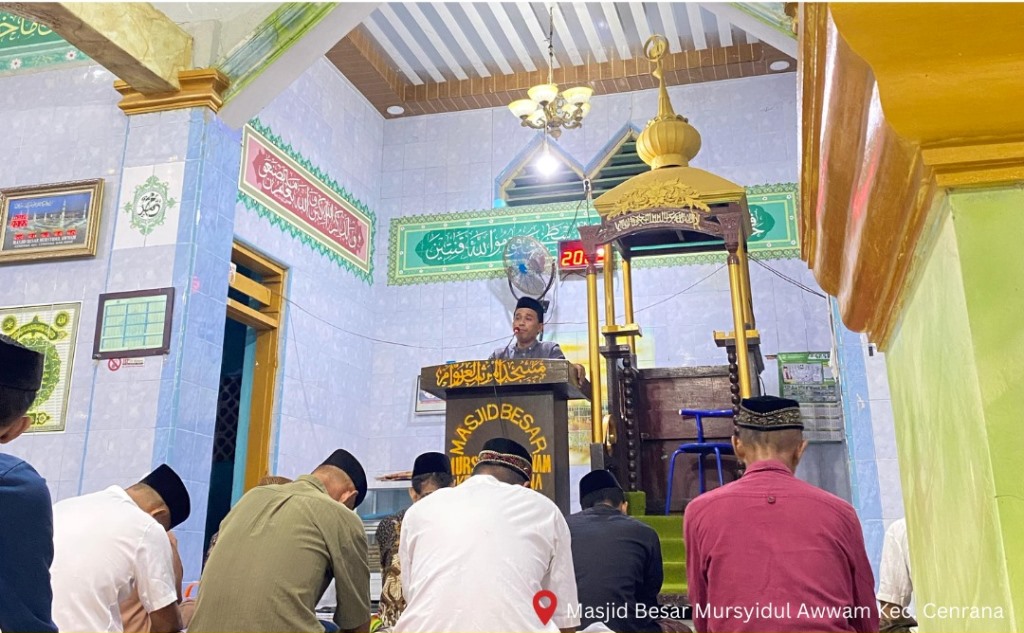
{"x": 350, "y": 465}
{"x": 172, "y": 490}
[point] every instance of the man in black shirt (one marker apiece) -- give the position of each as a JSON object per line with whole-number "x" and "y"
{"x": 617, "y": 560}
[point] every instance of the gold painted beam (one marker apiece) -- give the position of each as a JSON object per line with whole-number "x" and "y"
{"x": 133, "y": 40}
{"x": 742, "y": 349}
{"x": 627, "y": 298}
{"x": 594, "y": 348}
{"x": 609, "y": 286}
{"x": 746, "y": 296}
{"x": 253, "y": 318}
{"x": 899, "y": 100}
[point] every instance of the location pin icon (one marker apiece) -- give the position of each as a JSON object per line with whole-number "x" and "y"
{"x": 544, "y": 612}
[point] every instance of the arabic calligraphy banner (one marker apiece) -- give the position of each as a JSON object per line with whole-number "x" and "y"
{"x": 285, "y": 188}
{"x": 469, "y": 245}
{"x": 26, "y": 44}
{"x": 425, "y": 249}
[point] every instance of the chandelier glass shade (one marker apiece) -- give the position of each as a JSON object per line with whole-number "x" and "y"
{"x": 550, "y": 109}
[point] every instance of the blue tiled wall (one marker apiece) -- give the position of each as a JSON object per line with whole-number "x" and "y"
{"x": 185, "y": 428}
{"x": 121, "y": 424}
{"x": 79, "y": 133}
{"x": 874, "y": 471}
{"x": 324, "y": 400}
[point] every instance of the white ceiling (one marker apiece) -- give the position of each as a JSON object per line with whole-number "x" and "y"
{"x": 437, "y": 42}
{"x": 217, "y": 27}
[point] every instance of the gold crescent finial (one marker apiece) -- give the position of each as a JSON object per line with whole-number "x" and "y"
{"x": 655, "y": 47}
{"x": 654, "y": 50}
{"x": 668, "y": 140}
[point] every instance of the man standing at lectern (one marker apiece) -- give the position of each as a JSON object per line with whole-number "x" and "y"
{"x": 527, "y": 325}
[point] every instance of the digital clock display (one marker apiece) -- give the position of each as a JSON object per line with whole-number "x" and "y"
{"x": 572, "y": 257}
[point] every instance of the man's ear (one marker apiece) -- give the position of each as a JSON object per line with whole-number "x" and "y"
{"x": 14, "y": 429}
{"x": 348, "y": 499}
{"x": 738, "y": 449}
{"x": 799, "y": 453}
{"x": 162, "y": 515}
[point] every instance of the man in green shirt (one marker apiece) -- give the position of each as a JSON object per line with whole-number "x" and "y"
{"x": 278, "y": 550}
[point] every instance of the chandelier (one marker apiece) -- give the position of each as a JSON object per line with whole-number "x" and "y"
{"x": 548, "y": 109}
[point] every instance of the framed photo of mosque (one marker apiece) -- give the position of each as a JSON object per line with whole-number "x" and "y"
{"x": 50, "y": 221}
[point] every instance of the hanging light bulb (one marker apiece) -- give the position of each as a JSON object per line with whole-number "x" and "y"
{"x": 546, "y": 163}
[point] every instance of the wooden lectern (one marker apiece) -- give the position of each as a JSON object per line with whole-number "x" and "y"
{"x": 523, "y": 400}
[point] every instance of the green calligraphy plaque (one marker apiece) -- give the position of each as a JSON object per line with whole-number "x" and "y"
{"x": 25, "y": 44}
{"x": 470, "y": 245}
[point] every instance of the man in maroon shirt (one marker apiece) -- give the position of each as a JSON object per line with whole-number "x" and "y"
{"x": 770, "y": 552}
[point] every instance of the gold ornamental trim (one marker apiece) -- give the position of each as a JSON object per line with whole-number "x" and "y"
{"x": 669, "y": 187}
{"x": 477, "y": 373}
{"x": 203, "y": 87}
{"x": 671, "y": 193}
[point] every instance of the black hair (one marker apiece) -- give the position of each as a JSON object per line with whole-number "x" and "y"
{"x": 437, "y": 480}
{"x": 501, "y": 473}
{"x": 14, "y": 403}
{"x": 613, "y": 496}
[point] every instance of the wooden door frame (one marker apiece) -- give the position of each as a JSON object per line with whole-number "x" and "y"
{"x": 264, "y": 314}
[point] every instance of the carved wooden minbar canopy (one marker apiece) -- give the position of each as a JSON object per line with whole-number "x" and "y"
{"x": 669, "y": 211}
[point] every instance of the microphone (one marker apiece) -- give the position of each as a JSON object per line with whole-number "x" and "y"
{"x": 497, "y": 396}
{"x": 510, "y": 340}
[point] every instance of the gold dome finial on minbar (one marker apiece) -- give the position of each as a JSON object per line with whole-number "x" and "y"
{"x": 668, "y": 140}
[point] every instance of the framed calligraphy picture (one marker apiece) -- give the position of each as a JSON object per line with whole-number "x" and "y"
{"x": 50, "y": 221}
{"x": 51, "y": 330}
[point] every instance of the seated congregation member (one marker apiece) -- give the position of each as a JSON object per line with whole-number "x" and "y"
{"x": 280, "y": 547}
{"x": 617, "y": 560}
{"x": 430, "y": 472}
{"x": 188, "y": 605}
{"x": 474, "y": 556}
{"x": 109, "y": 541}
{"x": 134, "y": 617}
{"x": 770, "y": 552}
{"x": 527, "y": 326}
{"x": 26, "y": 515}
{"x": 895, "y": 588}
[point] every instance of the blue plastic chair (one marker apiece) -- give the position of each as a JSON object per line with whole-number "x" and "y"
{"x": 699, "y": 448}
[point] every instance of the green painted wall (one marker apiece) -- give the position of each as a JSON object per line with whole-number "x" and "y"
{"x": 989, "y": 225}
{"x": 948, "y": 374}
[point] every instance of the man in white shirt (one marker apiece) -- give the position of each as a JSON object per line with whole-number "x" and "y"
{"x": 109, "y": 542}
{"x": 474, "y": 557}
{"x": 895, "y": 588}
